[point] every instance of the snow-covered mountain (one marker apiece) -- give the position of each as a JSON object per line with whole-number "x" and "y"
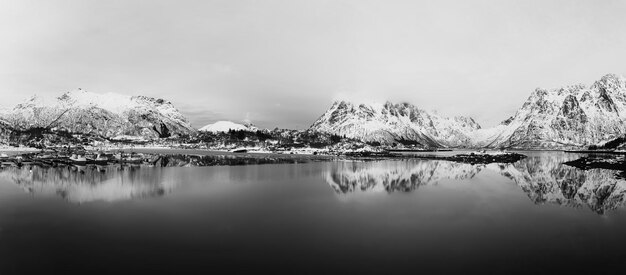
{"x": 106, "y": 115}
{"x": 567, "y": 117}
{"x": 4, "y": 131}
{"x": 388, "y": 123}
{"x": 225, "y": 126}
{"x": 572, "y": 116}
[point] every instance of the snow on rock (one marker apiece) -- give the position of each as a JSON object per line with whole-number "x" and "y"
{"x": 225, "y": 126}
{"x": 569, "y": 117}
{"x": 388, "y": 123}
{"x": 572, "y": 116}
{"x": 5, "y": 129}
{"x": 106, "y": 115}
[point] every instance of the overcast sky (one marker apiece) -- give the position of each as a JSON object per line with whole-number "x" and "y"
{"x": 281, "y": 63}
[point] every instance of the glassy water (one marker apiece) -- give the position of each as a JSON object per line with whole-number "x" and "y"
{"x": 415, "y": 216}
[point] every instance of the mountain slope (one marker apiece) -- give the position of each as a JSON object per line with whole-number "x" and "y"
{"x": 569, "y": 117}
{"x": 572, "y": 116}
{"x": 106, "y": 115}
{"x": 389, "y": 123}
{"x": 5, "y": 129}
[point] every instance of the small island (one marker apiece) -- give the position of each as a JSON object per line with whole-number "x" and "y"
{"x": 478, "y": 157}
{"x": 602, "y": 162}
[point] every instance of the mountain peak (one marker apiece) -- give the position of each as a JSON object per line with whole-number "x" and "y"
{"x": 391, "y": 123}
{"x": 611, "y": 82}
{"x": 106, "y": 115}
{"x": 570, "y": 116}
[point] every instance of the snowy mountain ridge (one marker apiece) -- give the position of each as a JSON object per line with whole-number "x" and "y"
{"x": 568, "y": 117}
{"x": 388, "y": 123}
{"x": 571, "y": 116}
{"x": 106, "y": 115}
{"x": 574, "y": 116}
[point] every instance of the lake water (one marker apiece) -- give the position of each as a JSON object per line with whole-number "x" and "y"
{"x": 409, "y": 216}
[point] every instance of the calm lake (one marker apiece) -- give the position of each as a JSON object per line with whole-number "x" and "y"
{"x": 410, "y": 216}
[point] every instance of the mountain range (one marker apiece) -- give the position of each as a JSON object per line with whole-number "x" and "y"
{"x": 574, "y": 116}
{"x": 571, "y": 116}
{"x": 106, "y": 115}
{"x": 388, "y": 123}
{"x": 567, "y": 117}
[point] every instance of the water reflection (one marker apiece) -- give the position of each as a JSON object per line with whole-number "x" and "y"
{"x": 395, "y": 176}
{"x": 79, "y": 184}
{"x": 545, "y": 179}
{"x": 542, "y": 176}
{"x": 185, "y": 160}
{"x": 115, "y": 182}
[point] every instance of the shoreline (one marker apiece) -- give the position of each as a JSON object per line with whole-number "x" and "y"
{"x": 206, "y": 152}
{"x": 596, "y": 152}
{"x": 457, "y": 155}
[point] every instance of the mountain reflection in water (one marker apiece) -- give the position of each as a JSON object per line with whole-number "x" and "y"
{"x": 396, "y": 176}
{"x": 542, "y": 176}
{"x": 79, "y": 184}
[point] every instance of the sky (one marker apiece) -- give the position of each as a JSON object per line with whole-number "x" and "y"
{"x": 282, "y": 63}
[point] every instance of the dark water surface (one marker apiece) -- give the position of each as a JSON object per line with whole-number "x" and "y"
{"x": 413, "y": 216}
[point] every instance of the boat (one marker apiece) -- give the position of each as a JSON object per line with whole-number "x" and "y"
{"x": 129, "y": 158}
{"x": 45, "y": 156}
{"x": 7, "y": 164}
{"x": 134, "y": 159}
{"x": 78, "y": 159}
{"x": 99, "y": 159}
{"x": 19, "y": 161}
{"x": 239, "y": 150}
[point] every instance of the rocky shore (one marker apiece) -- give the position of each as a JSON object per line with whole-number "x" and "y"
{"x": 478, "y": 157}
{"x": 595, "y": 162}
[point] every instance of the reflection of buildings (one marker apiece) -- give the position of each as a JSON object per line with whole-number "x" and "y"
{"x": 542, "y": 177}
{"x": 80, "y": 184}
